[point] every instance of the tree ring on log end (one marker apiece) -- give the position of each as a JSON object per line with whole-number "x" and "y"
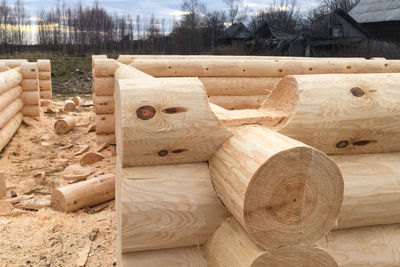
{"x": 58, "y": 201}
{"x": 271, "y": 216}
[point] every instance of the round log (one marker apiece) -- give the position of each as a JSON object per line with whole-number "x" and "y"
{"x": 46, "y": 94}
{"x": 31, "y": 98}
{"x": 230, "y": 246}
{"x": 10, "y": 111}
{"x": 84, "y": 194}
{"x": 3, "y": 67}
{"x": 280, "y": 190}
{"x": 44, "y": 65}
{"x": 105, "y": 67}
{"x": 44, "y": 75}
{"x": 10, "y": 79}
{"x": 239, "y": 85}
{"x": 103, "y": 86}
{"x": 94, "y": 57}
{"x": 7, "y": 97}
{"x": 238, "y": 102}
{"x": 45, "y": 85}
{"x": 64, "y": 125}
{"x": 105, "y": 123}
{"x": 69, "y": 106}
{"x": 105, "y": 138}
{"x": 30, "y": 85}
{"x": 31, "y": 111}
{"x": 353, "y": 113}
{"x": 8, "y": 130}
{"x": 13, "y": 63}
{"x": 77, "y": 100}
{"x": 103, "y": 104}
{"x": 29, "y": 70}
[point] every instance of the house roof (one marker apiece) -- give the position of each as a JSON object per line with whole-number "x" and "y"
{"x": 236, "y": 31}
{"x": 369, "y": 11}
{"x": 268, "y": 32}
{"x": 351, "y": 20}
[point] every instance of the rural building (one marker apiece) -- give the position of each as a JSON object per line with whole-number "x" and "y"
{"x": 381, "y": 18}
{"x": 235, "y": 35}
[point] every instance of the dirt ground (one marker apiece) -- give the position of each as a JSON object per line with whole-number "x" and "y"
{"x": 44, "y": 237}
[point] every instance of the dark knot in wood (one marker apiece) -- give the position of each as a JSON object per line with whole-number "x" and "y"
{"x": 145, "y": 112}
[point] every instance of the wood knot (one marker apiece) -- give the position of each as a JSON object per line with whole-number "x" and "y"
{"x": 364, "y": 142}
{"x": 174, "y": 110}
{"x": 342, "y": 144}
{"x": 177, "y": 151}
{"x": 163, "y": 153}
{"x": 357, "y": 91}
{"x": 145, "y": 112}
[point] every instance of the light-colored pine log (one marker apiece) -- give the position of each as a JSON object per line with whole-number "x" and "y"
{"x": 44, "y": 65}
{"x": 8, "y": 131}
{"x": 84, "y": 194}
{"x": 167, "y": 206}
{"x": 105, "y": 123}
{"x": 31, "y": 98}
{"x": 10, "y": 111}
{"x": 105, "y": 67}
{"x": 259, "y": 68}
{"x": 46, "y": 94}
{"x": 30, "y": 85}
{"x": 128, "y": 72}
{"x": 280, "y": 190}
{"x": 238, "y": 102}
{"x": 162, "y": 121}
{"x": 64, "y": 125}
{"x": 7, "y": 97}
{"x": 3, "y": 67}
{"x": 77, "y": 100}
{"x": 45, "y": 85}
{"x": 103, "y": 104}
{"x": 103, "y": 86}
{"x": 105, "y": 138}
{"x": 371, "y": 189}
{"x": 351, "y": 113}
{"x": 31, "y": 111}
{"x": 10, "y": 79}
{"x": 94, "y": 57}
{"x": 13, "y": 63}
{"x": 365, "y": 246}
{"x": 239, "y": 85}
{"x": 44, "y": 75}
{"x": 187, "y": 257}
{"x": 3, "y": 186}
{"x": 29, "y": 70}
{"x": 230, "y": 246}
{"x": 69, "y": 106}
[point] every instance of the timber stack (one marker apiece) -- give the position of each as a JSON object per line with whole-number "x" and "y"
{"x": 310, "y": 177}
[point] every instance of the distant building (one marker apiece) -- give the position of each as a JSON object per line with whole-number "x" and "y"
{"x": 235, "y": 35}
{"x": 381, "y": 18}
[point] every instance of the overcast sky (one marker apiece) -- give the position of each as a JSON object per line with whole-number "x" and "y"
{"x": 160, "y": 8}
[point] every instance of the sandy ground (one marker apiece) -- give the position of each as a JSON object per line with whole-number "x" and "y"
{"x": 45, "y": 237}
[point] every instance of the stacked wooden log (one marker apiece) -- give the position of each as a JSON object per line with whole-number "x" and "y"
{"x": 30, "y": 89}
{"x": 281, "y": 197}
{"x": 44, "y": 67}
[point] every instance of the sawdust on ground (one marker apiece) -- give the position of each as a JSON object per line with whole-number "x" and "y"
{"x": 44, "y": 237}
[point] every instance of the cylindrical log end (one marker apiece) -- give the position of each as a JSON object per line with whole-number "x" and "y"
{"x": 63, "y": 126}
{"x": 293, "y": 198}
{"x": 58, "y": 201}
{"x": 29, "y": 70}
{"x": 69, "y": 106}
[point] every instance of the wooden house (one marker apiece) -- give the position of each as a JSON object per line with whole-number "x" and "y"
{"x": 235, "y": 35}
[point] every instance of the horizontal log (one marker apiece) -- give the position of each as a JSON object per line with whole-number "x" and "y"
{"x": 13, "y": 63}
{"x": 187, "y": 256}
{"x": 105, "y": 123}
{"x": 167, "y": 206}
{"x": 103, "y": 104}
{"x": 64, "y": 125}
{"x": 46, "y": 94}
{"x": 230, "y": 246}
{"x": 30, "y": 85}
{"x": 31, "y": 98}
{"x": 84, "y": 194}
{"x": 365, "y": 246}
{"x": 29, "y": 70}
{"x": 105, "y": 138}
{"x": 44, "y": 65}
{"x": 239, "y": 85}
{"x": 260, "y": 68}
{"x": 7, "y": 97}
{"x": 238, "y": 102}
{"x": 103, "y": 86}
{"x": 77, "y": 100}
{"x": 8, "y": 131}
{"x": 128, "y": 72}
{"x": 44, "y": 75}
{"x": 94, "y": 57}
{"x": 10, "y": 79}
{"x": 162, "y": 121}
{"x": 31, "y": 111}
{"x": 354, "y": 113}
{"x": 69, "y": 106}
{"x": 105, "y": 67}
{"x": 3, "y": 67}
{"x": 281, "y": 191}
{"x": 45, "y": 85}
{"x": 10, "y": 111}
{"x": 371, "y": 189}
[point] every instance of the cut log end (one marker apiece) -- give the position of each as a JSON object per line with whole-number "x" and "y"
{"x": 69, "y": 106}
{"x": 302, "y": 202}
{"x": 58, "y": 201}
{"x": 65, "y": 125}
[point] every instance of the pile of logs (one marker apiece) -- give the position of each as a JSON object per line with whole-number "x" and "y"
{"x": 201, "y": 185}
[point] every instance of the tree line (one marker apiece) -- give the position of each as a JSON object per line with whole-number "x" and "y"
{"x": 80, "y": 29}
